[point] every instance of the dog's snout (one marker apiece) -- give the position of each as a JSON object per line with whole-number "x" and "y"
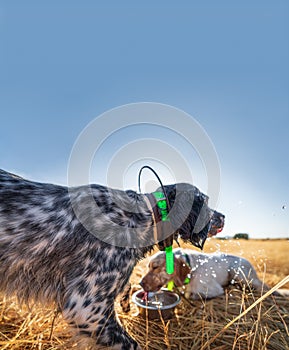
{"x": 143, "y": 283}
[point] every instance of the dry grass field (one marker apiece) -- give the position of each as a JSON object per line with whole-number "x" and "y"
{"x": 210, "y": 325}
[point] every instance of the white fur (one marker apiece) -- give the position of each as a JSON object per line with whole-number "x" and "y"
{"x": 209, "y": 273}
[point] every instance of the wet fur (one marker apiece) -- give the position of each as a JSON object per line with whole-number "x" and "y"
{"x": 209, "y": 273}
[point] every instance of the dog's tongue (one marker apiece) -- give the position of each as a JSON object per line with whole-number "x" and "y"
{"x": 220, "y": 230}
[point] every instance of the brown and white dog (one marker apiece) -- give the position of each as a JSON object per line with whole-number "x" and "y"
{"x": 203, "y": 275}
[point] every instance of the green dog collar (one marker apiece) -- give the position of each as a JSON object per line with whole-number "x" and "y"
{"x": 187, "y": 280}
{"x": 162, "y": 205}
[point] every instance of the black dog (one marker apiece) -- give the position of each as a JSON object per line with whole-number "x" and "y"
{"x": 77, "y": 247}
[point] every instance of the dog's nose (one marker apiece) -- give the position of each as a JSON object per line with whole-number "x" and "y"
{"x": 144, "y": 283}
{"x": 223, "y": 220}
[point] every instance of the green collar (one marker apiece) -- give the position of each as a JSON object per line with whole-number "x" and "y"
{"x": 187, "y": 259}
{"x": 162, "y": 213}
{"x": 188, "y": 278}
{"x": 162, "y": 205}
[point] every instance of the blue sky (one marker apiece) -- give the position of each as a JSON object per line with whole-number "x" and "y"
{"x": 62, "y": 63}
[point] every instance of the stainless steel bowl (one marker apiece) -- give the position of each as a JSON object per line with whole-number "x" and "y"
{"x": 156, "y": 305}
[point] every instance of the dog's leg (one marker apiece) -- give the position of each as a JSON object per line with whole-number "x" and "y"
{"x": 124, "y": 299}
{"x": 96, "y": 318}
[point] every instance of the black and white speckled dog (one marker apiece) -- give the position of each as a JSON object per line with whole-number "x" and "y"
{"x": 47, "y": 253}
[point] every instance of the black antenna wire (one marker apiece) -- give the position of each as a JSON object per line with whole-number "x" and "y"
{"x": 159, "y": 180}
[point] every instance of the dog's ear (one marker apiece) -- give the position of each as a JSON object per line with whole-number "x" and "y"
{"x": 182, "y": 209}
{"x": 157, "y": 261}
{"x": 181, "y": 272}
{"x": 192, "y": 216}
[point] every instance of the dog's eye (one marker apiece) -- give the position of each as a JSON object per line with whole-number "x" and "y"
{"x": 154, "y": 267}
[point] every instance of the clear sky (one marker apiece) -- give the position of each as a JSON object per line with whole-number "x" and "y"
{"x": 63, "y": 63}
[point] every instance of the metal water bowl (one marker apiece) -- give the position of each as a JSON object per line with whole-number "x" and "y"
{"x": 156, "y": 305}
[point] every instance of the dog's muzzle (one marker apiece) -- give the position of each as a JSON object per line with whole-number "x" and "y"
{"x": 217, "y": 223}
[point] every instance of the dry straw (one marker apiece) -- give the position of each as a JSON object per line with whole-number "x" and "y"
{"x": 235, "y": 321}
{"x": 238, "y": 320}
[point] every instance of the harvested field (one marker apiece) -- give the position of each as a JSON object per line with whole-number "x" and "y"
{"x": 198, "y": 325}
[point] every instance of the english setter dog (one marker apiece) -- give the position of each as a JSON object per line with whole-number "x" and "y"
{"x": 77, "y": 247}
{"x": 202, "y": 275}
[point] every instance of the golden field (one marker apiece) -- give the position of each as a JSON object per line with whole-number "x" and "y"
{"x": 209, "y": 325}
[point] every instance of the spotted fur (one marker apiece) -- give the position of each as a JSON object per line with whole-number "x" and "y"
{"x": 48, "y": 254}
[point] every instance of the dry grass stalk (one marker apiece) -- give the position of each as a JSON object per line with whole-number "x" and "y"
{"x": 207, "y": 325}
{"x": 238, "y": 320}
{"x": 210, "y": 325}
